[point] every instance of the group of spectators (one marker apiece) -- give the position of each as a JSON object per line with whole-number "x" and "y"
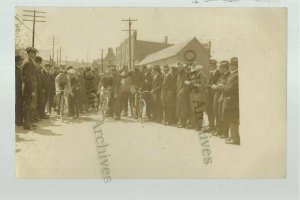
{"x": 177, "y": 95}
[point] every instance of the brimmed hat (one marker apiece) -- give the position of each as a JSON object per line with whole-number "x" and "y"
{"x": 38, "y": 59}
{"x": 31, "y": 49}
{"x": 71, "y": 71}
{"x": 212, "y": 62}
{"x": 70, "y": 67}
{"x": 62, "y": 64}
{"x": 224, "y": 63}
{"x": 180, "y": 64}
{"x": 196, "y": 67}
{"x": 156, "y": 68}
{"x": 166, "y": 67}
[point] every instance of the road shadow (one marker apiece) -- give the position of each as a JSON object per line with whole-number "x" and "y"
{"x": 45, "y": 132}
{"x": 18, "y": 138}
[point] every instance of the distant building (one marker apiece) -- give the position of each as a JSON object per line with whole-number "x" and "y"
{"x": 139, "y": 50}
{"x": 186, "y": 52}
{"x": 109, "y": 59}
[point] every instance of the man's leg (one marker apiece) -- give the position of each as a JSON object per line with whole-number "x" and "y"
{"x": 234, "y": 130}
{"x": 26, "y": 112}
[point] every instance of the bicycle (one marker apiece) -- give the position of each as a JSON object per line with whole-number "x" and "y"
{"x": 142, "y": 105}
{"x": 64, "y": 106}
{"x": 104, "y": 99}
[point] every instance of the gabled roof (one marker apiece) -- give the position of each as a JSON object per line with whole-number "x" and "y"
{"x": 169, "y": 52}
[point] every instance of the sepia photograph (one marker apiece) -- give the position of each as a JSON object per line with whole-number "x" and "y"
{"x": 150, "y": 93}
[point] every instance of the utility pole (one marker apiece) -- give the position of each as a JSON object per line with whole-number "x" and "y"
{"x": 102, "y": 60}
{"x": 59, "y": 53}
{"x": 53, "y": 49}
{"x": 32, "y": 18}
{"x": 129, "y": 39}
{"x": 54, "y": 41}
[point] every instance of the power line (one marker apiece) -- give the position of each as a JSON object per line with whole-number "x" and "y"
{"x": 44, "y": 46}
{"x": 129, "y": 39}
{"x": 32, "y": 18}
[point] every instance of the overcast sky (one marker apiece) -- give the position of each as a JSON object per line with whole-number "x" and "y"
{"x": 83, "y": 32}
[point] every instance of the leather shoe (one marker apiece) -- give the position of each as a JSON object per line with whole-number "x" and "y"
{"x": 45, "y": 117}
{"x": 33, "y": 125}
{"x": 27, "y": 127}
{"x": 232, "y": 142}
{"x": 19, "y": 124}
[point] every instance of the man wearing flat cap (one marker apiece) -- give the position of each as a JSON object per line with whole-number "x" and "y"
{"x": 214, "y": 76}
{"x": 18, "y": 91}
{"x": 41, "y": 89}
{"x": 29, "y": 87}
{"x": 231, "y": 104}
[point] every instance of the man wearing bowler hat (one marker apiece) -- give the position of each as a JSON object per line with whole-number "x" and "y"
{"x": 231, "y": 104}
{"x": 18, "y": 91}
{"x": 29, "y": 87}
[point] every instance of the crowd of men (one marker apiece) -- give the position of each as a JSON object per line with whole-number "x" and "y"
{"x": 176, "y": 95}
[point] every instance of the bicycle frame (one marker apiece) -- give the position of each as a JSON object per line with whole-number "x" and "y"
{"x": 63, "y": 104}
{"x": 142, "y": 105}
{"x": 104, "y": 99}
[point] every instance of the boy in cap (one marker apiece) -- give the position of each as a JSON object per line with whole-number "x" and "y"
{"x": 41, "y": 90}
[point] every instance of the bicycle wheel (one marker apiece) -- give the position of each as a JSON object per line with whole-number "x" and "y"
{"x": 142, "y": 110}
{"x": 103, "y": 107}
{"x": 61, "y": 109}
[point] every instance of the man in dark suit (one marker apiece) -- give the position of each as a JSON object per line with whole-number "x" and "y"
{"x": 214, "y": 76}
{"x": 156, "y": 94}
{"x": 147, "y": 86}
{"x": 170, "y": 85}
{"x": 18, "y": 91}
{"x": 182, "y": 96}
{"x": 231, "y": 107}
{"x": 42, "y": 88}
{"x": 29, "y": 87}
{"x": 164, "y": 93}
{"x": 116, "y": 87}
{"x": 50, "y": 87}
{"x": 218, "y": 100}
